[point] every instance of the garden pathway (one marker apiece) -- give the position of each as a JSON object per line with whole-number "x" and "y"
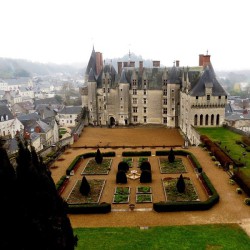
{"x": 230, "y": 209}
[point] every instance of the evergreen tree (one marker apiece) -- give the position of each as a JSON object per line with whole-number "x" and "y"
{"x": 123, "y": 166}
{"x": 98, "y": 157}
{"x": 121, "y": 177}
{"x": 85, "y": 187}
{"x": 145, "y": 165}
{"x": 40, "y": 218}
{"x": 146, "y": 176}
{"x": 180, "y": 185}
{"x": 171, "y": 156}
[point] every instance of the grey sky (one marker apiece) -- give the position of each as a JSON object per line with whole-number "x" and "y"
{"x": 64, "y": 31}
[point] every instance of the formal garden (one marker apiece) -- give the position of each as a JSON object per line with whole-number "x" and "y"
{"x": 134, "y": 178}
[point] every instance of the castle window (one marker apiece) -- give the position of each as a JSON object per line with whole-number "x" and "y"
{"x": 108, "y": 90}
{"x": 145, "y": 118}
{"x": 121, "y": 98}
{"x": 165, "y": 120}
{"x": 121, "y": 90}
{"x": 165, "y": 91}
{"x": 104, "y": 107}
{"x": 172, "y": 99}
{"x": 219, "y": 97}
{"x": 145, "y": 82}
{"x": 134, "y": 100}
{"x": 145, "y": 110}
{"x": 104, "y": 90}
{"x": 144, "y": 100}
{"x": 165, "y": 111}
{"x": 195, "y": 120}
{"x": 212, "y": 119}
{"x": 104, "y": 98}
{"x": 226, "y": 97}
{"x": 121, "y": 107}
{"x": 135, "y": 118}
{"x": 217, "y": 120}
{"x": 134, "y": 91}
{"x": 208, "y": 97}
{"x": 164, "y": 82}
{"x": 206, "y": 120}
{"x": 197, "y": 97}
{"x": 134, "y": 82}
{"x": 134, "y": 109}
{"x": 144, "y": 92}
{"x": 201, "y": 120}
{"x": 165, "y": 101}
{"x": 172, "y": 90}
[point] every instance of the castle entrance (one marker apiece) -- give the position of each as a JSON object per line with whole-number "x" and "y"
{"x": 112, "y": 121}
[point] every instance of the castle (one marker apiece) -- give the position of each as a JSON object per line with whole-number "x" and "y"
{"x": 172, "y": 96}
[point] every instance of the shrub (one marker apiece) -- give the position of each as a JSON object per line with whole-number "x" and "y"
{"x": 171, "y": 156}
{"x": 85, "y": 187}
{"x": 123, "y": 166}
{"x": 121, "y": 177}
{"x": 247, "y": 201}
{"x": 180, "y": 185}
{"x": 238, "y": 142}
{"x": 145, "y": 165}
{"x": 146, "y": 176}
{"x": 135, "y": 153}
{"x": 101, "y": 208}
{"x": 98, "y": 157}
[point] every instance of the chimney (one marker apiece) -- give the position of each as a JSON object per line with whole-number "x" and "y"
{"x": 177, "y": 63}
{"x": 156, "y": 63}
{"x": 99, "y": 62}
{"x": 140, "y": 67}
{"x": 204, "y": 60}
{"x": 119, "y": 66}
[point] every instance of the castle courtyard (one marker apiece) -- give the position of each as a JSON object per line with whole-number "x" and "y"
{"x": 230, "y": 209}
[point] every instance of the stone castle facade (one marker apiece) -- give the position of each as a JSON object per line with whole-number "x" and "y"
{"x": 171, "y": 96}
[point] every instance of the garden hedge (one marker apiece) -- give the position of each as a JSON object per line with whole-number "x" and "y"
{"x": 60, "y": 183}
{"x": 85, "y": 156}
{"x": 101, "y": 208}
{"x": 190, "y": 205}
{"x": 242, "y": 180}
{"x": 136, "y": 153}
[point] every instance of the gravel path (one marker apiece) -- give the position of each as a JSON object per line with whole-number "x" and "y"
{"x": 230, "y": 209}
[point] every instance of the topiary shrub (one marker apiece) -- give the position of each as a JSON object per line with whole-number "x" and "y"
{"x": 121, "y": 177}
{"x": 145, "y": 165}
{"x": 171, "y": 156}
{"x": 98, "y": 157}
{"x": 180, "y": 185}
{"x": 85, "y": 187}
{"x": 123, "y": 166}
{"x": 146, "y": 176}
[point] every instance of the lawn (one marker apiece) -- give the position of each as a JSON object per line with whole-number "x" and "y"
{"x": 93, "y": 168}
{"x": 227, "y": 139}
{"x": 196, "y": 237}
{"x": 175, "y": 167}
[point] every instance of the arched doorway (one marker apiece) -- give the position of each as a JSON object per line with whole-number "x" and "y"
{"x": 112, "y": 121}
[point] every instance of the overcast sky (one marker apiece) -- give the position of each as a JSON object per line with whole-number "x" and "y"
{"x": 64, "y": 31}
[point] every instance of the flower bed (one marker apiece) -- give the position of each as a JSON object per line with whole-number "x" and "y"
{"x": 172, "y": 194}
{"x": 175, "y": 167}
{"x": 122, "y": 190}
{"x": 143, "y": 190}
{"x": 143, "y": 198}
{"x": 93, "y": 168}
{"x": 96, "y": 188}
{"x": 121, "y": 198}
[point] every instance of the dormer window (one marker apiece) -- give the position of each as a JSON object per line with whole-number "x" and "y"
{"x": 197, "y": 97}
{"x": 208, "y": 97}
{"x": 219, "y": 97}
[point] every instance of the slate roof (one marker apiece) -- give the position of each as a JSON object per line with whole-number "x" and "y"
{"x": 237, "y": 116}
{"x": 174, "y": 75}
{"x": 92, "y": 63}
{"x": 46, "y": 101}
{"x": 91, "y": 76}
{"x": 123, "y": 78}
{"x": 32, "y": 116}
{"x": 4, "y": 111}
{"x": 17, "y": 81}
{"x": 207, "y": 79}
{"x": 71, "y": 110}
